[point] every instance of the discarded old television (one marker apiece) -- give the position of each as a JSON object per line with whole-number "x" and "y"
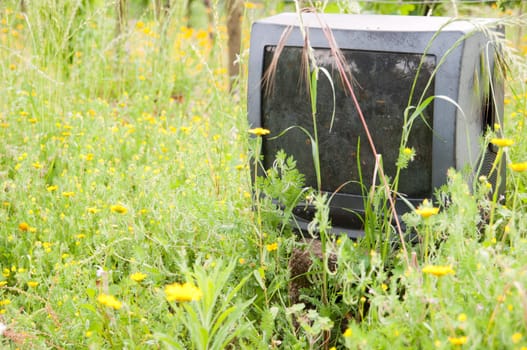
{"x": 393, "y": 62}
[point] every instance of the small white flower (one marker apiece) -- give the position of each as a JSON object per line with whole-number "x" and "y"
{"x": 100, "y": 272}
{"x": 3, "y": 328}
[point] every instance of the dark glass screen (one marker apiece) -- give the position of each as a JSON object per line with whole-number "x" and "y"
{"x": 382, "y": 82}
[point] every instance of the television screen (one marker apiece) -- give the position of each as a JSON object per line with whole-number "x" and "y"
{"x": 382, "y": 82}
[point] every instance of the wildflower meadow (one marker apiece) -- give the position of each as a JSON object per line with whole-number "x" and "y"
{"x": 131, "y": 217}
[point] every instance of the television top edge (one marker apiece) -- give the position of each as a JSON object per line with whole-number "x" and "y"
{"x": 381, "y": 23}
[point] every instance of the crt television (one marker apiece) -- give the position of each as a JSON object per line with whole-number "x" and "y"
{"x": 383, "y": 55}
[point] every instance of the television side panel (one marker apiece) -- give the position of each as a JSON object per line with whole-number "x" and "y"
{"x": 481, "y": 98}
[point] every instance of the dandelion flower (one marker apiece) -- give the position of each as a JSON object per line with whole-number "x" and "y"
{"x": 119, "y": 209}
{"x": 68, "y": 194}
{"x": 438, "y": 270}
{"x": 517, "y": 337}
{"x": 92, "y": 210}
{"x": 36, "y": 165}
{"x": 52, "y": 188}
{"x": 138, "y": 276}
{"x": 259, "y": 131}
{"x": 251, "y": 5}
{"x": 109, "y": 301}
{"x": 182, "y": 292}
{"x": 347, "y": 333}
{"x": 458, "y": 340}
{"x": 23, "y": 226}
{"x": 426, "y": 210}
{"x": 408, "y": 151}
{"x": 518, "y": 167}
{"x": 271, "y": 247}
{"x": 32, "y": 284}
{"x": 502, "y": 142}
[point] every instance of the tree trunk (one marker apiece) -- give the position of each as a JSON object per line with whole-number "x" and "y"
{"x": 161, "y": 8}
{"x": 234, "y": 31}
{"x": 210, "y": 14}
{"x": 121, "y": 6}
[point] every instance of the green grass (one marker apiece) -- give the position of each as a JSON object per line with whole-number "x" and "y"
{"x": 129, "y": 154}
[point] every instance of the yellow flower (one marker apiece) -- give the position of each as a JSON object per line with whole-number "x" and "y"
{"x": 408, "y": 151}
{"x": 458, "y": 340}
{"x": 23, "y": 226}
{"x": 259, "y": 131}
{"x": 92, "y": 210}
{"x": 52, "y": 188}
{"x": 241, "y": 261}
{"x": 37, "y": 165}
{"x": 138, "y": 276}
{"x": 271, "y": 247}
{"x": 347, "y": 333}
{"x": 517, "y": 337}
{"x": 500, "y": 142}
{"x": 438, "y": 270}
{"x": 462, "y": 317}
{"x": 518, "y": 167}
{"x": 251, "y": 5}
{"x": 119, "y": 209}
{"x": 426, "y": 210}
{"x": 109, "y": 301}
{"x": 182, "y": 292}
{"x": 32, "y": 284}
{"x": 68, "y": 194}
